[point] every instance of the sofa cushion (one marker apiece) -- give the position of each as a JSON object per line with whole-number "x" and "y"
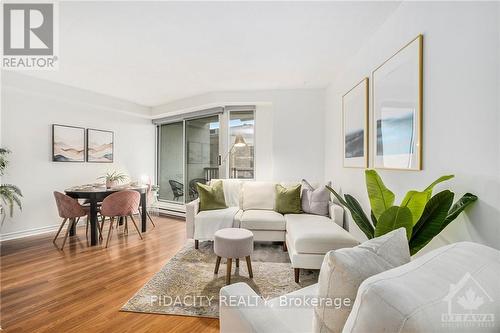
{"x": 436, "y": 289}
{"x": 211, "y": 196}
{"x": 288, "y": 199}
{"x": 344, "y": 270}
{"x": 315, "y": 200}
{"x": 207, "y": 222}
{"x": 316, "y": 234}
{"x": 258, "y": 195}
{"x": 255, "y": 219}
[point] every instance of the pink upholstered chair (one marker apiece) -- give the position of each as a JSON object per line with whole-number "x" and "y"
{"x": 120, "y": 204}
{"x": 69, "y": 209}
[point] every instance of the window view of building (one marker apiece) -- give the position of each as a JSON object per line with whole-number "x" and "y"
{"x": 242, "y": 135}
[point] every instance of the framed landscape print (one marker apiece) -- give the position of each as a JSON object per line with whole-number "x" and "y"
{"x": 100, "y": 146}
{"x": 355, "y": 125}
{"x": 397, "y": 109}
{"x": 68, "y": 143}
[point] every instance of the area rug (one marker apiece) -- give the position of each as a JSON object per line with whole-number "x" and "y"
{"x": 187, "y": 285}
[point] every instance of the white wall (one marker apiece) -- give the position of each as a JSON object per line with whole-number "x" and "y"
{"x": 29, "y": 107}
{"x": 461, "y": 110}
{"x": 289, "y": 129}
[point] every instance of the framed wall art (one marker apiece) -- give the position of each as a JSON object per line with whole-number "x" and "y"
{"x": 100, "y": 146}
{"x": 68, "y": 143}
{"x": 355, "y": 125}
{"x": 397, "y": 109}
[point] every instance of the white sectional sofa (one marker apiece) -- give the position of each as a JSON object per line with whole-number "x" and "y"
{"x": 251, "y": 204}
{"x": 421, "y": 296}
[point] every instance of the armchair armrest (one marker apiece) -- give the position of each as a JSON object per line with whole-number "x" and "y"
{"x": 241, "y": 310}
{"x": 337, "y": 214}
{"x": 192, "y": 209}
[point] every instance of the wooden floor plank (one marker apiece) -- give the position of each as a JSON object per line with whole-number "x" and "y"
{"x": 82, "y": 289}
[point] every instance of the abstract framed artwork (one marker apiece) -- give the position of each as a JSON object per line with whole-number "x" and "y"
{"x": 100, "y": 146}
{"x": 355, "y": 125}
{"x": 68, "y": 143}
{"x": 397, "y": 109}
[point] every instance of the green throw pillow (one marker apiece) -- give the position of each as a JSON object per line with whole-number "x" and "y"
{"x": 288, "y": 199}
{"x": 211, "y": 196}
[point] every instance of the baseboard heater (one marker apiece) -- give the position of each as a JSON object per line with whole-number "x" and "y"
{"x": 171, "y": 212}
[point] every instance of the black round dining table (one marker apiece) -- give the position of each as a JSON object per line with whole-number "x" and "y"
{"x": 96, "y": 194}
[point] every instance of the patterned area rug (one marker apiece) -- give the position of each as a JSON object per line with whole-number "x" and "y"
{"x": 187, "y": 285}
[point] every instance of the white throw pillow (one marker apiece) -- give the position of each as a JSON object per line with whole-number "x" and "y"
{"x": 258, "y": 195}
{"x": 345, "y": 269}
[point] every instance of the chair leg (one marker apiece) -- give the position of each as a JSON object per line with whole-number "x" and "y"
{"x": 70, "y": 225}
{"x": 196, "y": 244}
{"x": 150, "y": 219}
{"x": 249, "y": 266}
{"x": 135, "y": 225}
{"x": 59, "y": 231}
{"x": 87, "y": 228}
{"x": 100, "y": 227}
{"x": 237, "y": 262}
{"x": 285, "y": 249}
{"x": 217, "y": 264}
{"x": 297, "y": 274}
{"x": 111, "y": 220}
{"x": 125, "y": 229}
{"x": 228, "y": 272}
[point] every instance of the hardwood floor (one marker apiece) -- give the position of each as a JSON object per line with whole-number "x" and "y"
{"x": 82, "y": 289}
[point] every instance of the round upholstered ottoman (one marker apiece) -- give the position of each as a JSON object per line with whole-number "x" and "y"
{"x": 233, "y": 243}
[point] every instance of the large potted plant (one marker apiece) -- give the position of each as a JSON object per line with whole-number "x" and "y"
{"x": 10, "y": 194}
{"x": 423, "y": 215}
{"x": 114, "y": 178}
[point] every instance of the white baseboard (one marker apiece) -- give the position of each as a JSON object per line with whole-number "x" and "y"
{"x": 32, "y": 232}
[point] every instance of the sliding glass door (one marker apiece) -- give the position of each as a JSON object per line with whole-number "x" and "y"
{"x": 202, "y": 153}
{"x": 196, "y": 148}
{"x": 170, "y": 162}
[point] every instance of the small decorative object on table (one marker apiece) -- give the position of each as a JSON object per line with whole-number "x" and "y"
{"x": 114, "y": 178}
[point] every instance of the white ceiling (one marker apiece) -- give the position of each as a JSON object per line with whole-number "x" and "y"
{"x": 156, "y": 52}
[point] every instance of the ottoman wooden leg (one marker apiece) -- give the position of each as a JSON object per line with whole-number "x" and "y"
{"x": 196, "y": 242}
{"x": 237, "y": 262}
{"x": 249, "y": 266}
{"x": 217, "y": 264}
{"x": 297, "y": 274}
{"x": 228, "y": 272}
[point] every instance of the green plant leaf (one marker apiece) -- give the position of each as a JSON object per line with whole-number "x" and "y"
{"x": 374, "y": 219}
{"x": 431, "y": 223}
{"x": 359, "y": 216}
{"x": 381, "y": 198}
{"x": 415, "y": 201}
{"x": 437, "y": 181}
{"x": 458, "y": 207}
{"x": 394, "y": 218}
{"x": 356, "y": 211}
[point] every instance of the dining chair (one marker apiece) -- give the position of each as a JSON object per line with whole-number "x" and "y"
{"x": 69, "y": 209}
{"x": 120, "y": 204}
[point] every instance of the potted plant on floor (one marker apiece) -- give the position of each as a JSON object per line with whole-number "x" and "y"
{"x": 422, "y": 215}
{"x": 10, "y": 194}
{"x": 114, "y": 178}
